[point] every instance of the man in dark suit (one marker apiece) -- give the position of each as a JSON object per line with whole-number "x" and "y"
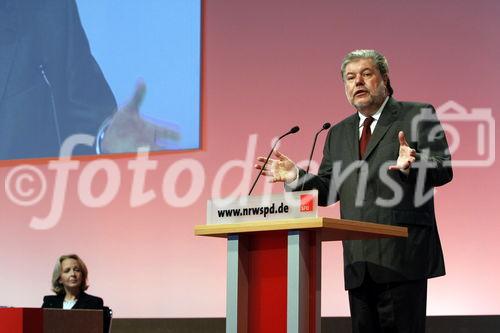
{"x": 385, "y": 178}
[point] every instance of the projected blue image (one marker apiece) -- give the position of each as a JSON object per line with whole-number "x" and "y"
{"x": 159, "y": 42}
{"x": 85, "y": 77}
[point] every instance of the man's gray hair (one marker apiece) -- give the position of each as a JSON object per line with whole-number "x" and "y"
{"x": 379, "y": 60}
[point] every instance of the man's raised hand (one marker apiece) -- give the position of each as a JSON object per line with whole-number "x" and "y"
{"x": 406, "y": 157}
{"x": 281, "y": 169}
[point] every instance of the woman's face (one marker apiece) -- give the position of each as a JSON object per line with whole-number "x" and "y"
{"x": 71, "y": 274}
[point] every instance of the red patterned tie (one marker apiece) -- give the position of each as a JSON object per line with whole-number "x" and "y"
{"x": 365, "y": 136}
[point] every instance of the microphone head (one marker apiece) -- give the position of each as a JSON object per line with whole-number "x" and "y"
{"x": 326, "y": 126}
{"x": 295, "y": 129}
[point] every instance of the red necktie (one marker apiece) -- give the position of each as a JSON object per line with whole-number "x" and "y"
{"x": 365, "y": 136}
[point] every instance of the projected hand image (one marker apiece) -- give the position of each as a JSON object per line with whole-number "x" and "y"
{"x": 128, "y": 130}
{"x": 62, "y": 74}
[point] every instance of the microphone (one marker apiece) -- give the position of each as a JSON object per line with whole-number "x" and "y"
{"x": 325, "y": 127}
{"x": 293, "y": 130}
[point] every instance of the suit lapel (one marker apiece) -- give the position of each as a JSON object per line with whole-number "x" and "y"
{"x": 59, "y": 301}
{"x": 80, "y": 302}
{"x": 354, "y": 139}
{"x": 8, "y": 40}
{"x": 386, "y": 120}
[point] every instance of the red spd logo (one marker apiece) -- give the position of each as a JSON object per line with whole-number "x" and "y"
{"x": 306, "y": 202}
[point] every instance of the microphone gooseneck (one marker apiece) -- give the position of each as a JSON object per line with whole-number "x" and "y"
{"x": 324, "y": 127}
{"x": 293, "y": 130}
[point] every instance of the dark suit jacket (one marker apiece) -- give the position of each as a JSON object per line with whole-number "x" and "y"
{"x": 388, "y": 259}
{"x": 85, "y": 301}
{"x": 49, "y": 81}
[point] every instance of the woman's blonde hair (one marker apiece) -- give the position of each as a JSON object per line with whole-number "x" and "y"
{"x": 57, "y": 286}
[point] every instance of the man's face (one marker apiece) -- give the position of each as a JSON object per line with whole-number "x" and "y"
{"x": 365, "y": 87}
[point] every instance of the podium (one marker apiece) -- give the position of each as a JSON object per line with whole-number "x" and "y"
{"x": 36, "y": 320}
{"x": 274, "y": 269}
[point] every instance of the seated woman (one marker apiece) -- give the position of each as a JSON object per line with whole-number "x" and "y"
{"x": 69, "y": 282}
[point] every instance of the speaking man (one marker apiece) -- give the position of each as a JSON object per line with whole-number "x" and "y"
{"x": 382, "y": 163}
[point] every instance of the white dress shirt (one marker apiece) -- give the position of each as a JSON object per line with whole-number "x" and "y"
{"x": 376, "y": 116}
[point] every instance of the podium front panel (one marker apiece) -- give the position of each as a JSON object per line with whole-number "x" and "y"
{"x": 273, "y": 282}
